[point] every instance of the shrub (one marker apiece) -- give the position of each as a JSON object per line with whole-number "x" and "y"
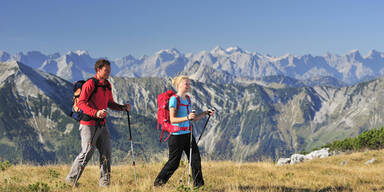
{"x": 371, "y": 139}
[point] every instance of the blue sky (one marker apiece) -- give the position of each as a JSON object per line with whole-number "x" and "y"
{"x": 119, "y": 28}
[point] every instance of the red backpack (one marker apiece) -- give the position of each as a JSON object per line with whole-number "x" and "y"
{"x": 163, "y": 117}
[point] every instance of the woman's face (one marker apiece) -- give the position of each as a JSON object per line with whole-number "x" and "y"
{"x": 185, "y": 86}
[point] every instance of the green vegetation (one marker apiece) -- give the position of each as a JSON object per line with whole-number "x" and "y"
{"x": 4, "y": 165}
{"x": 38, "y": 187}
{"x": 371, "y": 139}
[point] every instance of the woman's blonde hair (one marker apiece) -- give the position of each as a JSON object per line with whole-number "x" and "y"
{"x": 176, "y": 81}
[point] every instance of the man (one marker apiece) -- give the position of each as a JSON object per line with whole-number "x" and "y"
{"x": 93, "y": 129}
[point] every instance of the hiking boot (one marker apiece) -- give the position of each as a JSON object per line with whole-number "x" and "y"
{"x": 198, "y": 184}
{"x": 158, "y": 183}
{"x": 105, "y": 180}
{"x": 104, "y": 185}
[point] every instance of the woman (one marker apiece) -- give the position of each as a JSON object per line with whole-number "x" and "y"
{"x": 180, "y": 141}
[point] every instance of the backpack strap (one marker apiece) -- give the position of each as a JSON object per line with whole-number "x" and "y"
{"x": 179, "y": 103}
{"x": 106, "y": 86}
{"x": 161, "y": 137}
{"x": 96, "y": 83}
{"x": 189, "y": 103}
{"x": 165, "y": 138}
{"x": 189, "y": 106}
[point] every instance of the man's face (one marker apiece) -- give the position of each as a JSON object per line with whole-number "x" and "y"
{"x": 104, "y": 72}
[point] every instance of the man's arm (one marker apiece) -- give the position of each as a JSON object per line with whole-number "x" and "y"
{"x": 115, "y": 106}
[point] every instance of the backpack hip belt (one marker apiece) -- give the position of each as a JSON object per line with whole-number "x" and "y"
{"x": 175, "y": 129}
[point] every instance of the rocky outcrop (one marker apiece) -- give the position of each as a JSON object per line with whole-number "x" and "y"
{"x": 298, "y": 158}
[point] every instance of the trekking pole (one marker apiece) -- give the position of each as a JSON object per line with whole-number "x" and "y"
{"x": 183, "y": 175}
{"x": 206, "y": 122}
{"x": 133, "y": 157}
{"x": 190, "y": 154}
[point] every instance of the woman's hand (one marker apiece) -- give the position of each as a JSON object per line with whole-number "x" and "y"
{"x": 211, "y": 112}
{"x": 191, "y": 116}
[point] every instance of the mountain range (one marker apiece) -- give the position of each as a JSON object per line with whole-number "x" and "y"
{"x": 346, "y": 69}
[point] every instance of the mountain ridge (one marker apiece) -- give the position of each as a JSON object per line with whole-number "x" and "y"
{"x": 350, "y": 68}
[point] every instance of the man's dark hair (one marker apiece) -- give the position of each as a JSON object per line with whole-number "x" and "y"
{"x": 101, "y": 63}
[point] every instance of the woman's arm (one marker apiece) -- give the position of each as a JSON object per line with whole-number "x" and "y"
{"x": 210, "y": 112}
{"x": 200, "y": 116}
{"x": 175, "y": 119}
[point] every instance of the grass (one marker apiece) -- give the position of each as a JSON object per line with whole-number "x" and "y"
{"x": 326, "y": 174}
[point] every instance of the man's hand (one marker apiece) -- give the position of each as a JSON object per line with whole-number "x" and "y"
{"x": 101, "y": 113}
{"x": 126, "y": 107}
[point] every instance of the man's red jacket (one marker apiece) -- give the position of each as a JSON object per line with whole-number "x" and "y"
{"x": 100, "y": 100}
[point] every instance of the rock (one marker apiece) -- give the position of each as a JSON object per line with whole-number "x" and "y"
{"x": 344, "y": 162}
{"x": 297, "y": 158}
{"x": 318, "y": 154}
{"x": 283, "y": 161}
{"x": 370, "y": 161}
